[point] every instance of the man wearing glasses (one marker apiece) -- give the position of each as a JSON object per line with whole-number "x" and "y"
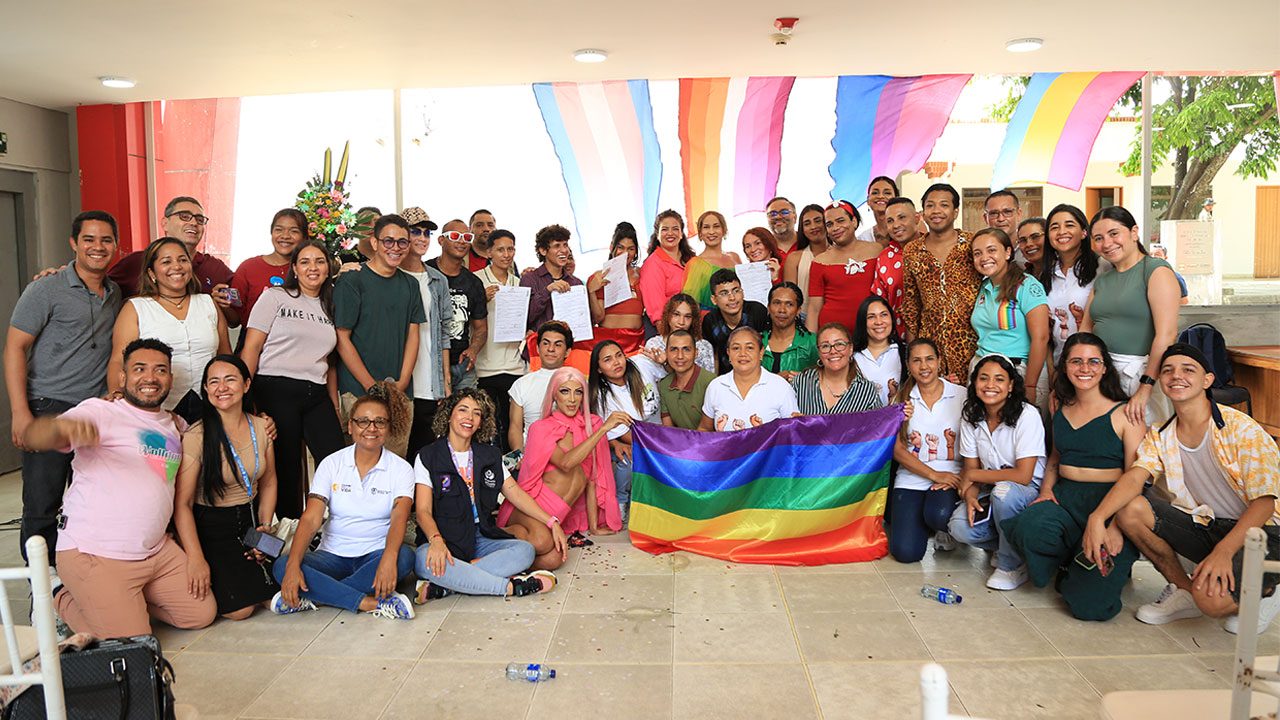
{"x": 376, "y": 312}
{"x": 468, "y": 328}
{"x": 782, "y": 222}
{"x": 731, "y": 312}
{"x": 1001, "y": 211}
{"x": 184, "y": 219}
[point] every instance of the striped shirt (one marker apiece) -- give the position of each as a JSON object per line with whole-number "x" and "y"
{"x": 861, "y": 395}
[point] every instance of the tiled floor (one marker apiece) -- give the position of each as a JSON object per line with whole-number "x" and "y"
{"x": 680, "y": 636}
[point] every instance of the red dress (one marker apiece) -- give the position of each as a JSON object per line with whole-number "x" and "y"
{"x": 844, "y": 287}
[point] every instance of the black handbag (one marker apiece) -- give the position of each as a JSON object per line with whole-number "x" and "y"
{"x": 123, "y": 679}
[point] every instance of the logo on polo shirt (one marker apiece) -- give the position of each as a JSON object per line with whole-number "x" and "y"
{"x": 341, "y": 487}
{"x": 277, "y": 281}
{"x": 379, "y": 491}
{"x": 489, "y": 480}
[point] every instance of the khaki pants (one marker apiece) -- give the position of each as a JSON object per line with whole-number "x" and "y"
{"x": 113, "y": 598}
{"x": 398, "y": 444}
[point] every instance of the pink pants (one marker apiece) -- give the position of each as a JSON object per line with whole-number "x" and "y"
{"x": 112, "y": 598}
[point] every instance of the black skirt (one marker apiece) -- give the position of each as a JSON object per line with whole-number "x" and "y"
{"x": 238, "y": 581}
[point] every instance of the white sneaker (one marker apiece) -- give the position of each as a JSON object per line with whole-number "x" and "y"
{"x": 279, "y": 607}
{"x": 943, "y": 542}
{"x": 1173, "y": 604}
{"x": 1007, "y": 579}
{"x": 1267, "y": 612}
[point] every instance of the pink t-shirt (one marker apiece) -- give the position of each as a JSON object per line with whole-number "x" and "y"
{"x": 121, "y": 495}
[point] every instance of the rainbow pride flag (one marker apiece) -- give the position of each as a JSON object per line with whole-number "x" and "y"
{"x": 731, "y": 142}
{"x": 1053, "y": 128}
{"x": 798, "y": 491}
{"x": 887, "y": 125}
{"x": 604, "y": 136}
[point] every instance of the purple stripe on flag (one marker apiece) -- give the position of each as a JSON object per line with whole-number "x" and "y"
{"x": 888, "y": 116}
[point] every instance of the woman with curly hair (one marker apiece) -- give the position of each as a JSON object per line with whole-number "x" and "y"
{"x": 368, "y": 491}
{"x": 680, "y": 313}
{"x": 459, "y": 476}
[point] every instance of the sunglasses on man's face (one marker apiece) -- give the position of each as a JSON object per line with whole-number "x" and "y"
{"x": 455, "y": 236}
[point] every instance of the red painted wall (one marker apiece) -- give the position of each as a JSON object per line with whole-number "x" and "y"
{"x": 113, "y": 167}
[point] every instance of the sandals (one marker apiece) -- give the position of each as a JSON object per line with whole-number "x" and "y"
{"x": 578, "y": 540}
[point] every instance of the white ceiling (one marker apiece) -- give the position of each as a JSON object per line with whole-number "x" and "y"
{"x": 52, "y": 51}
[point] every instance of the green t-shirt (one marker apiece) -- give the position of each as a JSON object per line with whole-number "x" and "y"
{"x": 684, "y": 405}
{"x": 801, "y": 355}
{"x": 378, "y": 311}
{"x": 1120, "y": 311}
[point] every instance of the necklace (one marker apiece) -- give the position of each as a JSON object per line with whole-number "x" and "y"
{"x": 829, "y": 391}
{"x": 176, "y": 303}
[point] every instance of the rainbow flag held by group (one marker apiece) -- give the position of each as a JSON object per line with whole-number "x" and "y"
{"x": 603, "y": 134}
{"x": 798, "y": 491}
{"x": 731, "y": 142}
{"x": 886, "y": 126}
{"x": 1053, "y": 128}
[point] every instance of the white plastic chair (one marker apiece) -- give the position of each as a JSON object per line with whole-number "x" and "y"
{"x": 36, "y": 573}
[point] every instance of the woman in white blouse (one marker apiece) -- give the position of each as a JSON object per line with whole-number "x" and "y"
{"x": 876, "y": 347}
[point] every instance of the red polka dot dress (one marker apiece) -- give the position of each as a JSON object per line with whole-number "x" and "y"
{"x": 887, "y": 282}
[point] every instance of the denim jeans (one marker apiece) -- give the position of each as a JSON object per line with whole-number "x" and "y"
{"x": 340, "y": 581}
{"x": 496, "y": 561}
{"x": 1007, "y": 500}
{"x": 44, "y": 479}
{"x": 622, "y": 483}
{"x": 460, "y": 377}
{"x": 914, "y": 516}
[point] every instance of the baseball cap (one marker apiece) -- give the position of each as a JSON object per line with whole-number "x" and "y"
{"x": 1208, "y": 202}
{"x": 417, "y": 216}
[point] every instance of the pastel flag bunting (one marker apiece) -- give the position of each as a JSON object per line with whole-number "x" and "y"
{"x": 731, "y": 142}
{"x": 886, "y": 126}
{"x": 604, "y": 136}
{"x": 798, "y": 491}
{"x": 1053, "y": 128}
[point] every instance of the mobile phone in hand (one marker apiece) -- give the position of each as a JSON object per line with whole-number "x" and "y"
{"x": 983, "y": 513}
{"x": 233, "y": 296}
{"x": 266, "y": 543}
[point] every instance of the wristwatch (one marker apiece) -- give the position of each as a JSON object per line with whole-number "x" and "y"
{"x": 1147, "y": 380}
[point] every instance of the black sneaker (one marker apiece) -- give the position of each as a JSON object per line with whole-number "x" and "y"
{"x": 538, "y": 581}
{"x": 427, "y": 590}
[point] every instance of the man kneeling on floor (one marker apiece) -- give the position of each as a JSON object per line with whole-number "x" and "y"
{"x": 117, "y": 560}
{"x": 1224, "y": 473}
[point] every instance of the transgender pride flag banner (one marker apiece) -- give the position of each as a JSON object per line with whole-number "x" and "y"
{"x": 798, "y": 491}
{"x": 603, "y": 134}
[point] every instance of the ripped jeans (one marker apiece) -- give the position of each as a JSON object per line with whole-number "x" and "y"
{"x": 1007, "y": 500}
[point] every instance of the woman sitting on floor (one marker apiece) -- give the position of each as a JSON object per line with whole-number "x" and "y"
{"x": 460, "y": 549}
{"x": 616, "y": 385}
{"x": 368, "y": 491}
{"x": 876, "y": 347}
{"x": 228, "y": 467}
{"x": 1093, "y": 443}
{"x": 566, "y": 470}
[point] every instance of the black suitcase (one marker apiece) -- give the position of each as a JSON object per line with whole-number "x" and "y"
{"x": 123, "y": 679}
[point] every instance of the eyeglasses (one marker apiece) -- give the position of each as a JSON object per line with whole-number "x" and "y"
{"x": 455, "y": 236}
{"x": 364, "y": 422}
{"x": 1093, "y": 363}
{"x": 779, "y": 213}
{"x": 416, "y": 231}
{"x": 393, "y": 243}
{"x": 831, "y": 347}
{"x": 729, "y": 293}
{"x": 1032, "y": 236}
{"x": 1003, "y": 213}
{"x": 185, "y": 216}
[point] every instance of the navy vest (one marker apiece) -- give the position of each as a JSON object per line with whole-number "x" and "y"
{"x": 451, "y": 503}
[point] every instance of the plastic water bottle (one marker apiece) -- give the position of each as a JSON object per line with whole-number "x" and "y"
{"x": 533, "y": 672}
{"x": 946, "y": 596}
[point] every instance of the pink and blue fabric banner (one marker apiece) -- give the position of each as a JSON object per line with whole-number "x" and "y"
{"x": 1053, "y": 128}
{"x": 604, "y": 136}
{"x": 886, "y": 126}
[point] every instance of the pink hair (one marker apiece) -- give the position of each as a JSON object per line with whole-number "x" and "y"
{"x": 558, "y": 378}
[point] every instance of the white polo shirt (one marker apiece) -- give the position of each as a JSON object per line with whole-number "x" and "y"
{"x": 881, "y": 370}
{"x": 1003, "y": 448}
{"x": 528, "y": 392}
{"x": 1065, "y": 292}
{"x": 933, "y": 436}
{"x": 360, "y": 508}
{"x": 770, "y": 398}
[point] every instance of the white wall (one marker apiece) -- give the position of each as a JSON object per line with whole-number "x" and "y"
{"x": 40, "y": 143}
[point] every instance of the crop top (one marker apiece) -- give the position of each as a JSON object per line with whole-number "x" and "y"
{"x": 1092, "y": 445}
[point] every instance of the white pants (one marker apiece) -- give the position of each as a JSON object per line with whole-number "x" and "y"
{"x": 1131, "y": 368}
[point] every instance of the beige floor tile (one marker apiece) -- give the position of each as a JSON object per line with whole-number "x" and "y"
{"x": 1122, "y": 635}
{"x": 694, "y": 564}
{"x": 1204, "y": 635}
{"x": 323, "y": 688}
{"x": 622, "y": 638}
{"x": 1181, "y": 672}
{"x": 858, "y": 637}
{"x": 1030, "y": 596}
{"x": 617, "y": 593}
{"x": 870, "y": 691}
{"x": 172, "y": 640}
{"x": 492, "y": 636}
{"x": 980, "y": 634}
{"x": 962, "y": 558}
{"x": 615, "y": 559}
{"x": 620, "y": 692}
{"x": 1023, "y": 690}
{"x": 222, "y": 686}
{"x": 1145, "y": 585}
{"x": 1222, "y": 666}
{"x": 710, "y": 692}
{"x": 735, "y": 637}
{"x": 453, "y": 690}
{"x": 743, "y": 592}
{"x": 830, "y": 592}
{"x": 971, "y": 586}
{"x": 369, "y": 636}
{"x": 836, "y": 568}
{"x": 266, "y": 633}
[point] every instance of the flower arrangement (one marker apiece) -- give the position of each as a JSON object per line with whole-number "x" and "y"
{"x": 330, "y": 219}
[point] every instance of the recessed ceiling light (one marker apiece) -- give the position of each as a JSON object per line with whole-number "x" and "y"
{"x": 115, "y": 81}
{"x": 590, "y": 55}
{"x": 1023, "y": 44}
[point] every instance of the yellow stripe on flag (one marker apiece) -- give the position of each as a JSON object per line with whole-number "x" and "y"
{"x": 754, "y": 524}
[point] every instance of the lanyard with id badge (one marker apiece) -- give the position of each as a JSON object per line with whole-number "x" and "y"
{"x": 254, "y": 539}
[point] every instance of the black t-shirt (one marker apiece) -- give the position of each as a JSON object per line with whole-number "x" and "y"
{"x": 716, "y": 330}
{"x": 466, "y": 294}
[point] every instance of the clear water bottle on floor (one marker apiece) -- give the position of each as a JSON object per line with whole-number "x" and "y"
{"x": 946, "y": 596}
{"x": 533, "y": 672}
